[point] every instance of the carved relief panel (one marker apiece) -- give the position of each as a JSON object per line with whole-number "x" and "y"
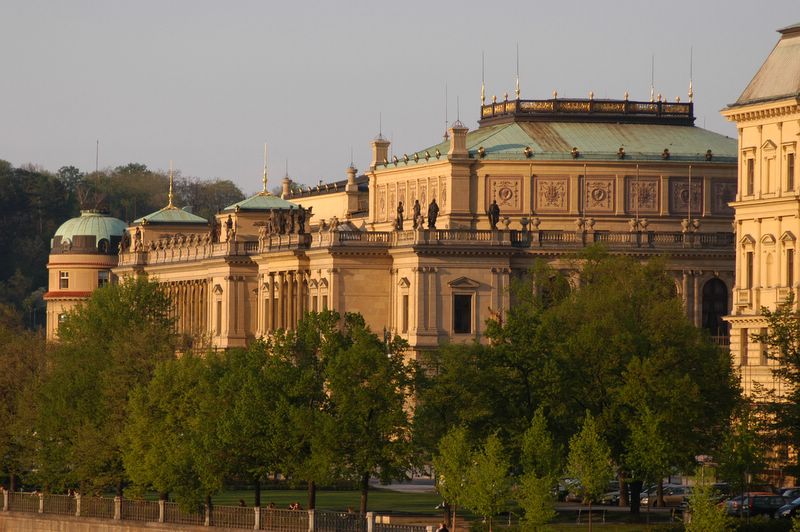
{"x": 679, "y": 195}
{"x": 642, "y": 195}
{"x": 722, "y": 192}
{"x": 442, "y": 191}
{"x": 551, "y": 194}
{"x": 381, "y": 202}
{"x": 599, "y": 194}
{"x": 506, "y": 191}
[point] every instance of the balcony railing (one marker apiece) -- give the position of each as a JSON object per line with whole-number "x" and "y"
{"x": 168, "y": 252}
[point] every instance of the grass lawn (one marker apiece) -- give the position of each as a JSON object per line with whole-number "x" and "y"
{"x": 379, "y": 500}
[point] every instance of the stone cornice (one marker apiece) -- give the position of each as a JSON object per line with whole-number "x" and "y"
{"x": 762, "y": 111}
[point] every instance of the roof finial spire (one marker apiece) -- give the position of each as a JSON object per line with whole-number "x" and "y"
{"x": 264, "y": 179}
{"x": 446, "y": 135}
{"x": 652, "y": 77}
{"x": 171, "y": 179}
{"x": 691, "y": 91}
{"x": 516, "y": 89}
{"x": 483, "y": 79}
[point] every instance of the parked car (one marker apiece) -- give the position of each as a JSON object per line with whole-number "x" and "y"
{"x": 790, "y": 493}
{"x": 789, "y": 509}
{"x": 753, "y": 504}
{"x": 610, "y": 499}
{"x": 673, "y": 495}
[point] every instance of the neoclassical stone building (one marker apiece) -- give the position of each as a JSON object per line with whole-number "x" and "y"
{"x": 767, "y": 205}
{"x": 538, "y": 179}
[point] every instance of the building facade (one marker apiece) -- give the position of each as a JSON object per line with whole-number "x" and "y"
{"x": 767, "y": 204}
{"x": 425, "y": 245}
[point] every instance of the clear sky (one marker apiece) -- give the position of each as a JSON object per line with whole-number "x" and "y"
{"x": 207, "y": 83}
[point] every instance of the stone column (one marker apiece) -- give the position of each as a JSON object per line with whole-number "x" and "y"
{"x": 290, "y": 303}
{"x": 370, "y": 521}
{"x": 257, "y": 518}
{"x": 432, "y": 299}
{"x": 311, "y": 523}
{"x": 5, "y": 499}
{"x": 685, "y": 289}
{"x": 161, "y": 510}
{"x": 270, "y": 298}
{"x": 281, "y": 301}
{"x": 77, "y": 504}
{"x": 41, "y": 505}
{"x": 698, "y": 311}
{"x": 117, "y": 508}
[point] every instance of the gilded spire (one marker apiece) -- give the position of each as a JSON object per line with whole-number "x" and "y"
{"x": 691, "y": 92}
{"x": 516, "y": 88}
{"x": 264, "y": 179}
{"x": 483, "y": 80}
{"x": 171, "y": 179}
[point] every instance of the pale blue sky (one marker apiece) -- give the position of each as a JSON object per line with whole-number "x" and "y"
{"x": 206, "y": 83}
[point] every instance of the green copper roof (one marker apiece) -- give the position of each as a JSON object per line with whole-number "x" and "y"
{"x": 263, "y": 201}
{"x": 171, "y": 215}
{"x": 91, "y": 223}
{"x": 595, "y": 141}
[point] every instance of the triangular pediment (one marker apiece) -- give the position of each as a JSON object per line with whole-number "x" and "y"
{"x": 404, "y": 282}
{"x": 768, "y": 239}
{"x": 769, "y": 146}
{"x": 787, "y": 236}
{"x": 217, "y": 289}
{"x": 312, "y": 283}
{"x": 464, "y": 282}
{"x": 323, "y": 283}
{"x": 747, "y": 240}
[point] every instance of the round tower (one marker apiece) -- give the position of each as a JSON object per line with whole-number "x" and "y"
{"x": 82, "y": 253}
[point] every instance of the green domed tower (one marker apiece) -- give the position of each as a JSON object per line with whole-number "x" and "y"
{"x": 82, "y": 253}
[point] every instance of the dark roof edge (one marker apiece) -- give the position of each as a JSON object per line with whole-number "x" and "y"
{"x": 795, "y": 95}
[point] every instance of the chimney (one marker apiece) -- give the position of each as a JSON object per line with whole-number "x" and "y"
{"x": 458, "y": 140}
{"x": 285, "y": 187}
{"x": 351, "y": 190}
{"x": 380, "y": 151}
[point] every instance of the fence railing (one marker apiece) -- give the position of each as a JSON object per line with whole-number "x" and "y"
{"x": 271, "y": 519}
{"x": 101, "y": 507}
{"x": 233, "y": 517}
{"x": 59, "y": 504}
{"x": 283, "y": 520}
{"x": 140, "y": 510}
{"x": 340, "y": 521}
{"x": 174, "y": 514}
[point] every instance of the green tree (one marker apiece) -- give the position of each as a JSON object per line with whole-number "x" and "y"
{"x": 705, "y": 515}
{"x": 541, "y": 460}
{"x": 170, "y": 444}
{"x": 743, "y": 450}
{"x": 589, "y": 461}
{"x": 21, "y": 364}
{"x": 107, "y": 347}
{"x": 488, "y": 481}
{"x": 451, "y": 465}
{"x": 535, "y": 496}
{"x": 648, "y": 451}
{"x": 369, "y": 384}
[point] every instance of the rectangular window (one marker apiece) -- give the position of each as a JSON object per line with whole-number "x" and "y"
{"x": 790, "y": 267}
{"x": 103, "y": 276}
{"x": 63, "y": 280}
{"x": 405, "y": 313}
{"x": 748, "y": 280}
{"x": 790, "y": 171}
{"x": 462, "y": 313}
{"x": 764, "y": 350}
{"x": 751, "y": 177}
{"x": 324, "y": 303}
{"x": 314, "y": 304}
{"x": 743, "y": 343}
{"x": 219, "y": 318}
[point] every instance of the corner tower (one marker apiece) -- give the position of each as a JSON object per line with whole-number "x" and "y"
{"x": 82, "y": 253}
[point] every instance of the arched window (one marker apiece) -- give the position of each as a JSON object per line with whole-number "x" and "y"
{"x": 715, "y": 306}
